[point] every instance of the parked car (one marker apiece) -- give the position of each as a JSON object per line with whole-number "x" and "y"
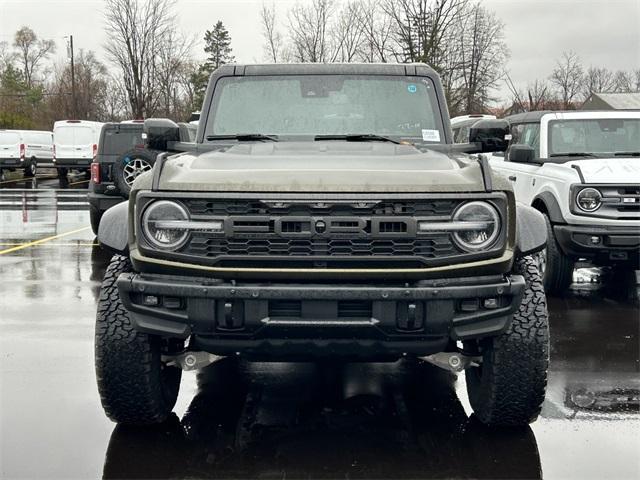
{"x": 121, "y": 158}
{"x": 582, "y": 171}
{"x": 461, "y": 125}
{"x": 75, "y": 145}
{"x": 322, "y": 212}
{"x": 25, "y": 150}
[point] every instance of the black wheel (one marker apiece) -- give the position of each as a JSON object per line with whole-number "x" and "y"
{"x": 555, "y": 267}
{"x": 129, "y": 166}
{"x": 31, "y": 168}
{"x": 509, "y": 386}
{"x": 135, "y": 386}
{"x": 94, "y": 218}
{"x": 62, "y": 173}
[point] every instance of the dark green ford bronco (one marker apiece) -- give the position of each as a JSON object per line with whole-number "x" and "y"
{"x": 323, "y": 211}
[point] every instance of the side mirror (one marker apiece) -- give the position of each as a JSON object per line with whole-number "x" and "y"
{"x": 520, "y": 153}
{"x": 490, "y": 135}
{"x": 160, "y": 134}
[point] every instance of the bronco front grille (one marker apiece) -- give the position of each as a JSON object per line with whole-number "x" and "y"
{"x": 365, "y": 232}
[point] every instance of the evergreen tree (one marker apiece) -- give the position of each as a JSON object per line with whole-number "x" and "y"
{"x": 218, "y": 46}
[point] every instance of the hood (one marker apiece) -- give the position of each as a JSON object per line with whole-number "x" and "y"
{"x": 621, "y": 170}
{"x": 330, "y": 166}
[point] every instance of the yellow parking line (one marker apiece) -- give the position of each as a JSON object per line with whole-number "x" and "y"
{"x": 42, "y": 240}
{"x": 76, "y": 183}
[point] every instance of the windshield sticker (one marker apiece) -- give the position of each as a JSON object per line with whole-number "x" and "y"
{"x": 412, "y": 88}
{"x": 430, "y": 135}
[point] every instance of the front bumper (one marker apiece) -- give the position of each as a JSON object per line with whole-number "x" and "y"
{"x": 603, "y": 244}
{"x": 285, "y": 320}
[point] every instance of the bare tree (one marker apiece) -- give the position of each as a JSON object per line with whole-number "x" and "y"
{"x": 346, "y": 33}
{"x": 31, "y": 52}
{"x": 274, "y": 44}
{"x": 568, "y": 78}
{"x": 7, "y": 57}
{"x": 91, "y": 84}
{"x": 136, "y": 32}
{"x": 376, "y": 28}
{"x": 422, "y": 27}
{"x": 309, "y": 27}
{"x": 626, "y": 82}
{"x": 173, "y": 59}
{"x": 482, "y": 55}
{"x": 597, "y": 80}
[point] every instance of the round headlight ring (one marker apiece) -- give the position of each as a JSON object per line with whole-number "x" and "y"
{"x": 170, "y": 211}
{"x": 491, "y": 215}
{"x": 589, "y": 199}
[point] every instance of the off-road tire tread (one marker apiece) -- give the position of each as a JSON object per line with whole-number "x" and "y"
{"x": 511, "y": 388}
{"x": 128, "y": 364}
{"x": 559, "y": 270}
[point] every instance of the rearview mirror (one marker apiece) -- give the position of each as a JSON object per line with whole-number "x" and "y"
{"x": 161, "y": 134}
{"x": 490, "y": 135}
{"x": 520, "y": 153}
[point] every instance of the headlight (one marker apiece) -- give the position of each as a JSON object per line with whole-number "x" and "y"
{"x": 475, "y": 226}
{"x": 482, "y": 224}
{"x": 589, "y": 199}
{"x": 162, "y": 224}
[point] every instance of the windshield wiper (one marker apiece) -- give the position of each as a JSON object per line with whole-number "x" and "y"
{"x": 627, "y": 154}
{"x": 244, "y": 137}
{"x": 573, "y": 154}
{"x": 357, "y": 137}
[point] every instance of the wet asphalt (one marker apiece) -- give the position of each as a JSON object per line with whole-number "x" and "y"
{"x": 272, "y": 420}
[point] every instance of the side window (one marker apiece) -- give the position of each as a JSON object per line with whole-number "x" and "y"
{"x": 461, "y": 134}
{"x": 531, "y": 136}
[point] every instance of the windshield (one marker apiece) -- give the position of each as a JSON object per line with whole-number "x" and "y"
{"x": 73, "y": 135}
{"x": 595, "y": 136}
{"x": 298, "y": 105}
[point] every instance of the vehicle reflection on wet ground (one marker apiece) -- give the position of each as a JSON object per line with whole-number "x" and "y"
{"x": 330, "y": 420}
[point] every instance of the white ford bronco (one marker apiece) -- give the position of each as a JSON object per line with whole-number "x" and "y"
{"x": 582, "y": 170}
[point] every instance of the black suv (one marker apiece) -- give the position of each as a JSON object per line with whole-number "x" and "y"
{"x": 323, "y": 211}
{"x": 122, "y": 156}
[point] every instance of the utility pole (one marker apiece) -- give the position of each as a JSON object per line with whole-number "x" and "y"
{"x": 73, "y": 79}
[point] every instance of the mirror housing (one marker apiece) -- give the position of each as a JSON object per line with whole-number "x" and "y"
{"x": 161, "y": 134}
{"x": 490, "y": 135}
{"x": 520, "y": 153}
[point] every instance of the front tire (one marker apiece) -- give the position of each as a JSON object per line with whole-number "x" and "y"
{"x": 555, "y": 267}
{"x": 135, "y": 386}
{"x": 508, "y": 388}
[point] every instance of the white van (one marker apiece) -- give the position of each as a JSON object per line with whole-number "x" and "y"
{"x": 75, "y": 144}
{"x": 25, "y": 150}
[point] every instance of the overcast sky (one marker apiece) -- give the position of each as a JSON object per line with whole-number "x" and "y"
{"x": 602, "y": 32}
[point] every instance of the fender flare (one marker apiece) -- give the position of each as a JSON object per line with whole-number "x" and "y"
{"x": 551, "y": 205}
{"x": 113, "y": 232}
{"x": 531, "y": 230}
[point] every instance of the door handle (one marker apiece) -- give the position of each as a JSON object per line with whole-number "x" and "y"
{"x": 513, "y": 178}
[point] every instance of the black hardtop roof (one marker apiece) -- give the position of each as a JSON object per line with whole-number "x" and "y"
{"x": 401, "y": 69}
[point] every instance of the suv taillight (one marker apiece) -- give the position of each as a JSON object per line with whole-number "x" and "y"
{"x": 95, "y": 151}
{"x": 54, "y": 152}
{"x": 22, "y": 152}
{"x": 95, "y": 173}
